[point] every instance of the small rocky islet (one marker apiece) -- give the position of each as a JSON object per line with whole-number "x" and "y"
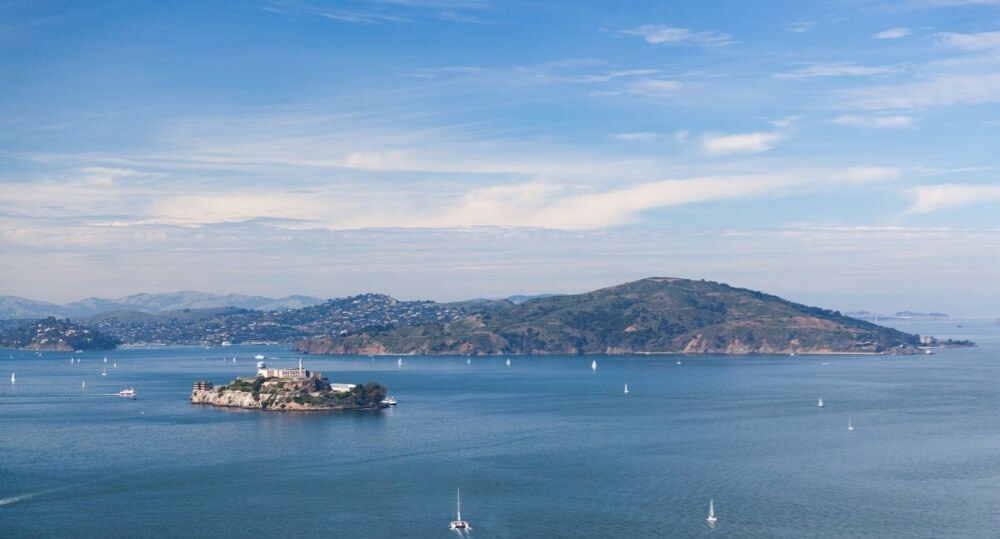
{"x": 290, "y": 390}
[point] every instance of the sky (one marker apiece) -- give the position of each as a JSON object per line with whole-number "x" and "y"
{"x": 837, "y": 153}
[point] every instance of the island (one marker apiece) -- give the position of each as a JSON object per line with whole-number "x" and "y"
{"x": 294, "y": 389}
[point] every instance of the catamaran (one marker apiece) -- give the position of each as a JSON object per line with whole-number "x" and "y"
{"x": 711, "y": 512}
{"x": 458, "y": 523}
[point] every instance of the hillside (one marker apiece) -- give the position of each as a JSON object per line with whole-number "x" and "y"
{"x": 54, "y": 334}
{"x": 655, "y": 315}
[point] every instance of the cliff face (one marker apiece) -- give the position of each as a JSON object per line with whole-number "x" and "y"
{"x": 656, "y": 315}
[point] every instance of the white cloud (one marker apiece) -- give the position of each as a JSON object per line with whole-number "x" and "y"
{"x": 635, "y": 137}
{"x": 970, "y": 42}
{"x": 937, "y": 90}
{"x": 744, "y": 143}
{"x": 869, "y": 174}
{"x": 644, "y": 87}
{"x": 801, "y": 26}
{"x": 932, "y": 198}
{"x": 880, "y": 121}
{"x": 892, "y": 33}
{"x": 666, "y": 35}
{"x": 835, "y": 69}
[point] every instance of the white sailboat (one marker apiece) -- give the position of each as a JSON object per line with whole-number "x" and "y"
{"x": 508, "y": 362}
{"x": 105, "y": 371}
{"x": 83, "y": 385}
{"x": 820, "y": 403}
{"x": 711, "y": 512}
{"x": 468, "y": 361}
{"x": 593, "y": 365}
{"x": 12, "y": 378}
{"x": 399, "y": 362}
{"x": 105, "y": 359}
{"x": 850, "y": 425}
{"x": 626, "y": 389}
{"x": 458, "y": 523}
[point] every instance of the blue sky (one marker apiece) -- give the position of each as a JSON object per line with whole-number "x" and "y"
{"x": 838, "y": 153}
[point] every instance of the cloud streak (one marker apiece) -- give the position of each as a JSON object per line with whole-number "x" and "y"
{"x": 668, "y": 35}
{"x": 743, "y": 143}
{"x": 934, "y": 198}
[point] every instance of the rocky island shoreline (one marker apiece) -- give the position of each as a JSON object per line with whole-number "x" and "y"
{"x": 289, "y": 390}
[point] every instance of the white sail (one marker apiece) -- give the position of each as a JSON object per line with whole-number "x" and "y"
{"x": 399, "y": 362}
{"x": 12, "y": 378}
{"x": 508, "y": 362}
{"x": 711, "y": 511}
{"x": 820, "y": 403}
{"x": 593, "y": 365}
{"x": 626, "y": 389}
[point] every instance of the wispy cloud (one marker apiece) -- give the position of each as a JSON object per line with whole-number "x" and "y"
{"x": 667, "y": 35}
{"x": 892, "y": 33}
{"x": 835, "y": 69}
{"x": 743, "y": 143}
{"x": 635, "y": 137}
{"x": 970, "y": 42}
{"x": 878, "y": 121}
{"x": 932, "y": 198}
{"x": 939, "y": 89}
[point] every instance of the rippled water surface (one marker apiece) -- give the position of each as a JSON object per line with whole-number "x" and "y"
{"x": 546, "y": 447}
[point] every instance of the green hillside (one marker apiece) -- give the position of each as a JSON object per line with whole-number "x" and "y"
{"x": 655, "y": 315}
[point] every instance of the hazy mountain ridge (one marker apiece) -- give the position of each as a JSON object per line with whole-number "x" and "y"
{"x": 15, "y": 307}
{"x": 655, "y": 315}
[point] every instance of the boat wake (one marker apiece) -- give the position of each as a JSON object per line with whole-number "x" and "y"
{"x": 22, "y": 497}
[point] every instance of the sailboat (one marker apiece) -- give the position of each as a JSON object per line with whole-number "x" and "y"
{"x": 105, "y": 359}
{"x": 711, "y": 512}
{"x": 626, "y": 389}
{"x": 12, "y": 378}
{"x": 114, "y": 365}
{"x": 71, "y": 360}
{"x": 593, "y": 365}
{"x": 820, "y": 403}
{"x": 508, "y": 362}
{"x": 458, "y": 523}
{"x": 83, "y": 385}
{"x": 399, "y": 362}
{"x": 850, "y": 426}
{"x": 105, "y": 371}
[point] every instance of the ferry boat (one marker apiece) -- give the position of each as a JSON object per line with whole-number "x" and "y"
{"x": 391, "y": 401}
{"x": 127, "y": 393}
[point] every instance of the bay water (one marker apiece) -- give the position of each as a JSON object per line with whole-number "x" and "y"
{"x": 544, "y": 447}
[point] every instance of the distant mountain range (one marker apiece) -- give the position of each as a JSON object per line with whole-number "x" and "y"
{"x": 14, "y": 307}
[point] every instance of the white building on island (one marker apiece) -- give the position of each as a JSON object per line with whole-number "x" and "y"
{"x": 295, "y": 374}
